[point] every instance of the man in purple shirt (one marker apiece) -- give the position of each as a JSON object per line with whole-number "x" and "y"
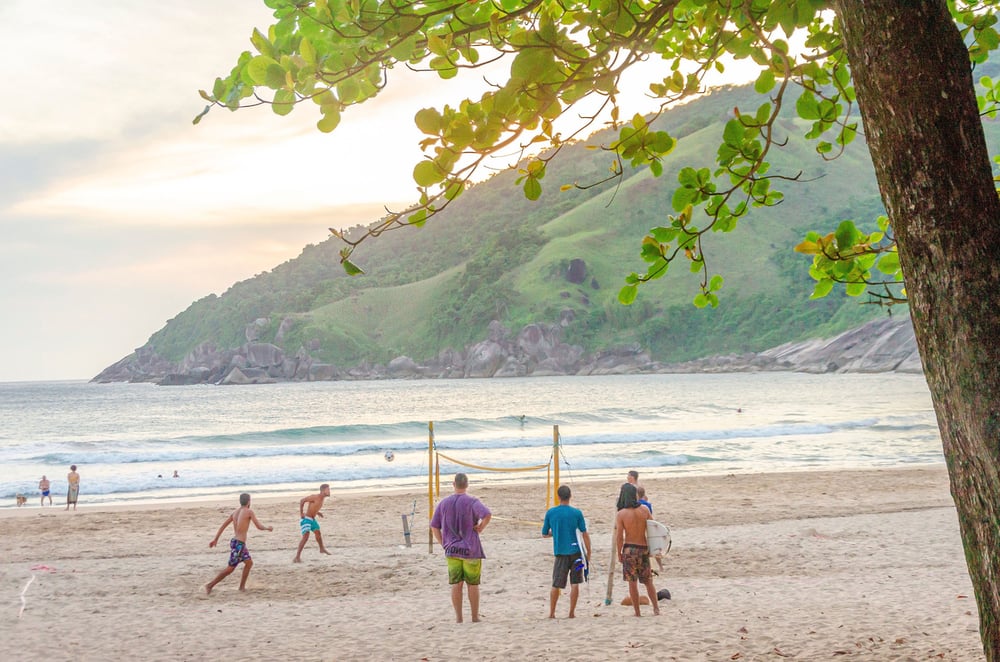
{"x": 458, "y": 520}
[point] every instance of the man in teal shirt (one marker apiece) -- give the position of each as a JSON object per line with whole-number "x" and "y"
{"x": 561, "y": 524}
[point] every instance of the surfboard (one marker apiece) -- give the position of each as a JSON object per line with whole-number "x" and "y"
{"x": 583, "y": 551}
{"x": 657, "y": 537}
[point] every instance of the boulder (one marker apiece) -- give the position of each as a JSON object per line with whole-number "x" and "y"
{"x": 577, "y": 271}
{"x": 484, "y": 360}
{"x": 403, "y": 366}
{"x": 263, "y": 355}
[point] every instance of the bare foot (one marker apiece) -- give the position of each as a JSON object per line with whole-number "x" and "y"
{"x": 296, "y": 560}
{"x": 208, "y": 589}
{"x": 323, "y": 551}
{"x": 552, "y": 615}
{"x": 572, "y": 615}
{"x": 656, "y": 611}
{"x": 475, "y": 620}
{"x": 243, "y": 589}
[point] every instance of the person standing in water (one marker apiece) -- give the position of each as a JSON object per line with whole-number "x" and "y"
{"x": 44, "y": 487}
{"x": 73, "y": 491}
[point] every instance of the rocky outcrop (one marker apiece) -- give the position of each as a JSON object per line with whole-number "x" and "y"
{"x": 536, "y": 350}
{"x": 885, "y": 345}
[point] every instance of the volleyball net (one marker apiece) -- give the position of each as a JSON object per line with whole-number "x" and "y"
{"x": 435, "y": 456}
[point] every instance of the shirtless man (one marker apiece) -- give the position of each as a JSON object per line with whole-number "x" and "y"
{"x": 238, "y": 552}
{"x": 45, "y": 488}
{"x": 73, "y": 491}
{"x": 633, "y": 549}
{"x": 307, "y": 519}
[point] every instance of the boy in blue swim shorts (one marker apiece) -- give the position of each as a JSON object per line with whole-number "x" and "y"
{"x": 308, "y": 512}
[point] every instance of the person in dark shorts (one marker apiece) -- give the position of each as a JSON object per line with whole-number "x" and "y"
{"x": 561, "y": 524}
{"x": 238, "y": 552}
{"x": 45, "y": 487}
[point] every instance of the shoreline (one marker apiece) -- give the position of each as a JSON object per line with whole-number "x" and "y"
{"x": 286, "y": 491}
{"x": 862, "y": 564}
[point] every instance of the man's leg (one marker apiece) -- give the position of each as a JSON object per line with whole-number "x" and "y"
{"x": 633, "y": 592}
{"x": 574, "y": 595}
{"x": 219, "y": 577}
{"x": 246, "y": 573}
{"x": 474, "y": 602}
{"x": 653, "y": 600}
{"x": 319, "y": 539}
{"x": 456, "y": 600}
{"x": 302, "y": 544}
{"x": 553, "y": 599}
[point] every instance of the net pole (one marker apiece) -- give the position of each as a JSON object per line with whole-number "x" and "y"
{"x": 555, "y": 455}
{"x": 548, "y": 486}
{"x": 430, "y": 485}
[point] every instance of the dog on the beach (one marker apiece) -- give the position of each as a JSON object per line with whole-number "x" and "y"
{"x": 21, "y": 500}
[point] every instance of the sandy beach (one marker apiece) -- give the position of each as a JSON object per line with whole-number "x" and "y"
{"x": 863, "y": 565}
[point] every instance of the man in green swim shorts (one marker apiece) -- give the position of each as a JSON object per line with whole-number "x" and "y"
{"x": 458, "y": 520}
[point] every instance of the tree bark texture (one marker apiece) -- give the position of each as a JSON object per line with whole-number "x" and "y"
{"x": 915, "y": 90}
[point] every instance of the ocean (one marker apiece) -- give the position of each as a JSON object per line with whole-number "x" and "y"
{"x": 127, "y": 440}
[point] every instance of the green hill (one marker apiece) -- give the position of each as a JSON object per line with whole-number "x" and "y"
{"x": 493, "y": 255}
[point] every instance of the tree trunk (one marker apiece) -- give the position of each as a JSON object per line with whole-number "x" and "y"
{"x": 914, "y": 86}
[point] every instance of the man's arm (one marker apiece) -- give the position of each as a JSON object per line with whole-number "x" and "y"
{"x": 478, "y": 528}
{"x": 586, "y": 541}
{"x": 256, "y": 522}
{"x": 229, "y": 520}
{"x": 437, "y": 536}
{"x": 302, "y": 502}
{"x": 619, "y": 535}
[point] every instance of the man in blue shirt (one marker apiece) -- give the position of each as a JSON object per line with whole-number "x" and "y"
{"x": 561, "y": 524}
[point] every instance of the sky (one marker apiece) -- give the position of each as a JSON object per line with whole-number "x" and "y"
{"x": 117, "y": 212}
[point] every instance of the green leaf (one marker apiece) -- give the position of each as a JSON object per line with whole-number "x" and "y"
{"x": 889, "y": 263}
{"x": 532, "y": 188}
{"x": 627, "y": 294}
{"x": 765, "y": 82}
{"x": 807, "y": 107}
{"x": 847, "y": 235}
{"x": 734, "y": 132}
{"x": 700, "y": 301}
{"x": 855, "y": 289}
{"x": 284, "y": 102}
{"x": 429, "y": 121}
{"x": 823, "y": 287}
{"x": 331, "y": 118}
{"x": 258, "y": 67}
{"x": 351, "y": 269}
{"x": 427, "y": 173}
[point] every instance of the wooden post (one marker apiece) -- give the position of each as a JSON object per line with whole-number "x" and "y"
{"x": 406, "y": 529}
{"x": 430, "y": 485}
{"x": 614, "y": 556}
{"x": 555, "y": 456}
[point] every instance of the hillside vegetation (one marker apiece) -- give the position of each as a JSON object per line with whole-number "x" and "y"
{"x": 492, "y": 255}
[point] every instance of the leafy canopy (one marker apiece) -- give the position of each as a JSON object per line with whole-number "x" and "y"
{"x": 563, "y": 52}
